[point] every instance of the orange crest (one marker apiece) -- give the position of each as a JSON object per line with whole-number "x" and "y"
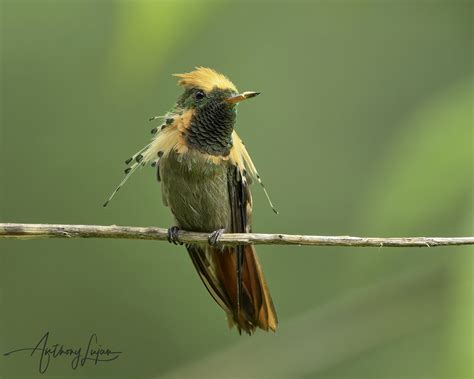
{"x": 206, "y": 79}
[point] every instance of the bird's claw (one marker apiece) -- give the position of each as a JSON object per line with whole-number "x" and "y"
{"x": 214, "y": 237}
{"x": 173, "y": 235}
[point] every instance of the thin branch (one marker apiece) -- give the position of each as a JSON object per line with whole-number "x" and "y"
{"x": 29, "y": 231}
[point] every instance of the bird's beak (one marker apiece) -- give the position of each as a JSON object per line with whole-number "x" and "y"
{"x": 241, "y": 97}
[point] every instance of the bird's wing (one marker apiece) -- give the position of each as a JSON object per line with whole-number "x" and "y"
{"x": 252, "y": 295}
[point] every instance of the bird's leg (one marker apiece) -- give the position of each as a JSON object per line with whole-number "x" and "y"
{"x": 173, "y": 235}
{"x": 213, "y": 238}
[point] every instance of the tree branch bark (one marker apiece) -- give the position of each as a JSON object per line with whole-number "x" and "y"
{"x": 30, "y": 231}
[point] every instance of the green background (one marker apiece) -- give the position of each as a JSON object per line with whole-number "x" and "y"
{"x": 364, "y": 128}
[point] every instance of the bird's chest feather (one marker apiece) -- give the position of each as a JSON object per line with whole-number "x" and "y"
{"x": 196, "y": 190}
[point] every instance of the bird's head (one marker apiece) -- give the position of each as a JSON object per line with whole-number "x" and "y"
{"x": 205, "y": 86}
{"x": 212, "y": 98}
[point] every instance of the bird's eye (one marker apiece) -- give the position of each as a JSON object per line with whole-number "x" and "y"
{"x": 200, "y": 95}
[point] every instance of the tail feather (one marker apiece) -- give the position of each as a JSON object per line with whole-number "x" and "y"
{"x": 218, "y": 270}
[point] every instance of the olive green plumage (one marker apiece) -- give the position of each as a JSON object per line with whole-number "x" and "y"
{"x": 196, "y": 192}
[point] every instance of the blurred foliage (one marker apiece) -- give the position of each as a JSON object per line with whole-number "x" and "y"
{"x": 364, "y": 127}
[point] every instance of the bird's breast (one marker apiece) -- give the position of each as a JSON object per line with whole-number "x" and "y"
{"x": 196, "y": 190}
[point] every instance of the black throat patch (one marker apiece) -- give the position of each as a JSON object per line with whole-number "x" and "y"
{"x": 211, "y": 128}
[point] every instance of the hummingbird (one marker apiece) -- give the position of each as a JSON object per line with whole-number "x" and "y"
{"x": 205, "y": 172}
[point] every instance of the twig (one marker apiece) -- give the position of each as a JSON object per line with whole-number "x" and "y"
{"x": 29, "y": 231}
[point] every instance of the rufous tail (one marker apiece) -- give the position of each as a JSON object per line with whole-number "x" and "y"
{"x": 217, "y": 268}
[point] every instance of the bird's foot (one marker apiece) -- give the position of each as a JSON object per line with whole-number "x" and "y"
{"x": 213, "y": 238}
{"x": 173, "y": 235}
